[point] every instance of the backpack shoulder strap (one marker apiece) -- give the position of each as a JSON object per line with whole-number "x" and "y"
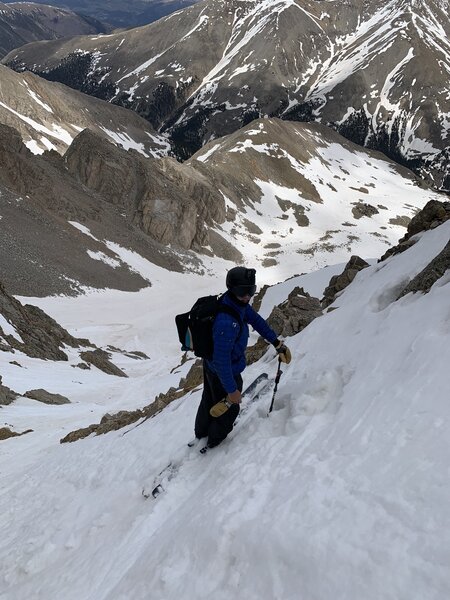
{"x": 229, "y": 310}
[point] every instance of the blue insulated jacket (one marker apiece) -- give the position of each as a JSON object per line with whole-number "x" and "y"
{"x": 230, "y": 341}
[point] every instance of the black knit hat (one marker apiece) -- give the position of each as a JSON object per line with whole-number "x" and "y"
{"x": 241, "y": 281}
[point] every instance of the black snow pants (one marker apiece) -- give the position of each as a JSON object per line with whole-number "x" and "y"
{"x": 215, "y": 428}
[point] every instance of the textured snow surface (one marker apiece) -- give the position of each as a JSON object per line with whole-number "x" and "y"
{"x": 342, "y": 494}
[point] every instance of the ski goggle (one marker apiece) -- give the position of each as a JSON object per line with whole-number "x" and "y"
{"x": 243, "y": 290}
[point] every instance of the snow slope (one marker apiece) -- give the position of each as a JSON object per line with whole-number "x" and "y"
{"x": 341, "y": 494}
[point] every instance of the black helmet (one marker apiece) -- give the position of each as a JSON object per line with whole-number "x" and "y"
{"x": 241, "y": 281}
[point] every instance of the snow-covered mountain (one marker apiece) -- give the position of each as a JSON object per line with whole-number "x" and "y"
{"x": 341, "y": 493}
{"x": 375, "y": 71}
{"x": 299, "y": 196}
{"x": 24, "y": 22}
{"x": 290, "y": 197}
{"x": 49, "y": 116}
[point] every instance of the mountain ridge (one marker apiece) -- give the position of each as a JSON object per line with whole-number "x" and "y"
{"x": 355, "y": 66}
{"x": 25, "y": 22}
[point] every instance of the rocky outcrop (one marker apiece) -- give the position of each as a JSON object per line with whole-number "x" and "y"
{"x": 46, "y": 397}
{"x": 101, "y": 359}
{"x": 433, "y": 214}
{"x": 432, "y": 273}
{"x": 287, "y": 319}
{"x": 170, "y": 202}
{"x": 37, "y": 335}
{"x": 6, "y": 433}
{"x": 28, "y": 329}
{"x": 6, "y": 394}
{"x": 193, "y": 379}
{"x": 341, "y": 281}
{"x": 295, "y": 313}
{"x": 42, "y": 253}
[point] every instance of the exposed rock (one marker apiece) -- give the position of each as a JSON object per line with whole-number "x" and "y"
{"x": 341, "y": 281}
{"x": 363, "y": 209}
{"x": 287, "y": 319}
{"x": 298, "y": 311}
{"x": 6, "y": 394}
{"x": 6, "y": 433}
{"x": 432, "y": 273}
{"x": 255, "y": 352}
{"x": 135, "y": 354}
{"x": 39, "y": 336}
{"x": 193, "y": 379}
{"x": 46, "y": 397}
{"x": 100, "y": 359}
{"x": 82, "y": 365}
{"x": 433, "y": 214}
{"x": 79, "y": 434}
{"x": 41, "y": 252}
{"x": 171, "y": 202}
{"x": 259, "y": 296}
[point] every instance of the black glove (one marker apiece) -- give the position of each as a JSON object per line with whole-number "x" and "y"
{"x": 283, "y": 351}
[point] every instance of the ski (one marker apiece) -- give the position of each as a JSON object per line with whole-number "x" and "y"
{"x": 159, "y": 484}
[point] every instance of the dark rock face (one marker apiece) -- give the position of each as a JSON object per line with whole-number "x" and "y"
{"x": 296, "y": 313}
{"x": 6, "y": 433}
{"x": 41, "y": 336}
{"x": 340, "y": 282}
{"x": 100, "y": 359}
{"x": 170, "y": 202}
{"x": 432, "y": 215}
{"x": 38, "y": 199}
{"x": 46, "y": 397}
{"x": 6, "y": 394}
{"x": 364, "y": 210}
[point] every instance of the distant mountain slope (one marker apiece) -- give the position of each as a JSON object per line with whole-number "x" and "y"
{"x": 24, "y": 22}
{"x": 289, "y": 197}
{"x": 300, "y": 195}
{"x": 57, "y": 236}
{"x": 124, "y": 14}
{"x": 284, "y": 195}
{"x": 377, "y": 72}
{"x": 50, "y": 115}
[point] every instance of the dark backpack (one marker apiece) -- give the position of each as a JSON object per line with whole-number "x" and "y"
{"x": 195, "y": 328}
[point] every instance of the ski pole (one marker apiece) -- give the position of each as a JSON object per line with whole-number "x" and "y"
{"x": 277, "y": 381}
